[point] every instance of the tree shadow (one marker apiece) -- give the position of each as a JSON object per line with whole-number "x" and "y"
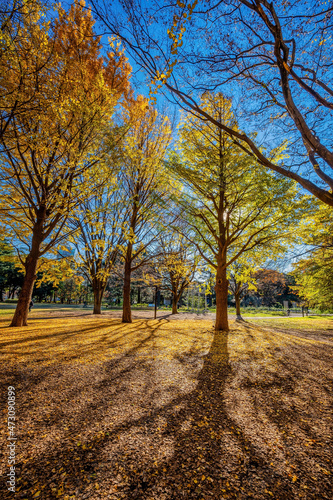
{"x": 208, "y": 456}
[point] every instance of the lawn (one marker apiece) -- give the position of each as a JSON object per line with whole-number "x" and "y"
{"x": 161, "y": 410}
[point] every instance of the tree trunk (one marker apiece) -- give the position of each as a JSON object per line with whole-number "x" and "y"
{"x": 174, "y": 303}
{"x": 98, "y": 290}
{"x": 22, "y": 309}
{"x": 238, "y": 311}
{"x": 127, "y": 313}
{"x": 221, "y": 289}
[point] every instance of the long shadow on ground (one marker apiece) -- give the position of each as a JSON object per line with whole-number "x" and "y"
{"x": 113, "y": 436}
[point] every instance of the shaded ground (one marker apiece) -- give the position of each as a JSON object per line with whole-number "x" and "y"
{"x": 164, "y": 410}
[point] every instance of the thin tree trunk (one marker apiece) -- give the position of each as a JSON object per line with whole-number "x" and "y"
{"x": 139, "y": 295}
{"x": 221, "y": 289}
{"x": 238, "y": 310}
{"x": 20, "y": 317}
{"x": 127, "y": 313}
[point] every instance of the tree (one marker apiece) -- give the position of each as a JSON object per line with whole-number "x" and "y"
{"x": 243, "y": 272}
{"x": 270, "y": 285}
{"x": 230, "y": 204}
{"x": 71, "y": 289}
{"x": 144, "y": 184}
{"x": 100, "y": 234}
{"x": 313, "y": 272}
{"x": 241, "y": 280}
{"x": 47, "y": 148}
{"x": 16, "y": 17}
{"x": 274, "y": 56}
{"x": 314, "y": 279}
{"x": 10, "y": 276}
{"x": 176, "y": 266}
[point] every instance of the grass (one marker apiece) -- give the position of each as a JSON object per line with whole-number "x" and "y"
{"x": 307, "y": 323}
{"x": 246, "y": 312}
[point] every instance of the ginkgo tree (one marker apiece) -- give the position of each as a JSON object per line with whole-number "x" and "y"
{"x": 313, "y": 272}
{"x": 241, "y": 280}
{"x": 242, "y": 272}
{"x": 99, "y": 235}
{"x": 145, "y": 187}
{"x": 175, "y": 265}
{"x": 230, "y": 203}
{"x": 16, "y": 17}
{"x": 47, "y": 148}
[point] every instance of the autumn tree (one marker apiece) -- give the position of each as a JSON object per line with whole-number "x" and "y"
{"x": 231, "y": 204}
{"x": 273, "y": 57}
{"x": 145, "y": 188}
{"x": 270, "y": 285}
{"x": 313, "y": 271}
{"x": 175, "y": 265}
{"x": 46, "y": 149}
{"x": 241, "y": 280}
{"x": 16, "y": 20}
{"x": 242, "y": 273}
{"x": 99, "y": 235}
{"x": 314, "y": 279}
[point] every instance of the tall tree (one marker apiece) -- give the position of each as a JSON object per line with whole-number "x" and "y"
{"x": 274, "y": 58}
{"x": 100, "y": 233}
{"x": 46, "y": 149}
{"x": 230, "y": 204}
{"x": 16, "y": 18}
{"x": 145, "y": 188}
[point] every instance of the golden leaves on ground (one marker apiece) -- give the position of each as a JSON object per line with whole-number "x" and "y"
{"x": 93, "y": 340}
{"x": 157, "y": 407}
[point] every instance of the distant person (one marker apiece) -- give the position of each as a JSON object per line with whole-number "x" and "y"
{"x": 31, "y": 305}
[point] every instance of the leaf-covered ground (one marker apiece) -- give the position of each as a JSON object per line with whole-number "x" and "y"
{"x": 164, "y": 410}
